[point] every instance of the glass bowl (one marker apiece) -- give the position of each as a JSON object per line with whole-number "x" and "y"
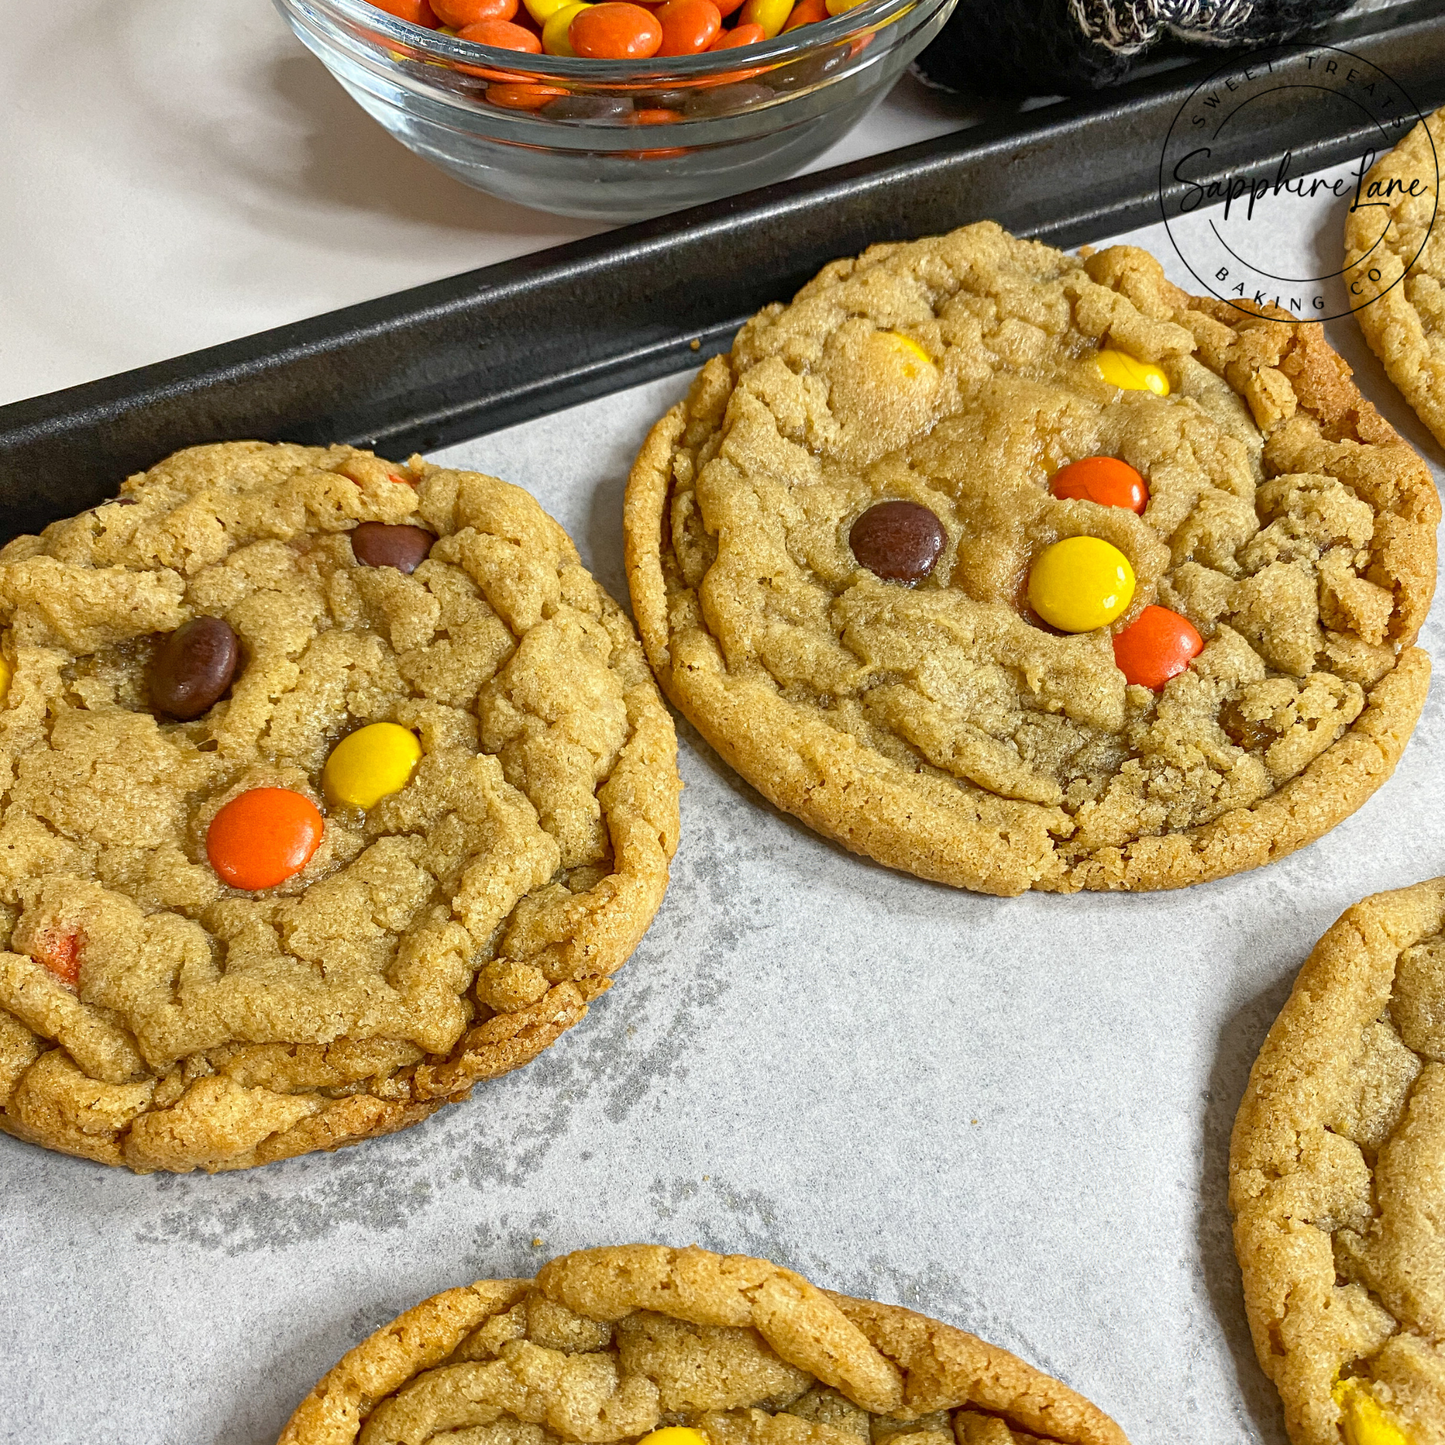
{"x": 617, "y": 140}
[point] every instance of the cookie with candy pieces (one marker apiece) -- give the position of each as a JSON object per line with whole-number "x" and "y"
{"x": 1014, "y": 569}
{"x": 334, "y": 788}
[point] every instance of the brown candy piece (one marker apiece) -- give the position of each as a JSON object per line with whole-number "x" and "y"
{"x": 194, "y": 667}
{"x": 897, "y": 541}
{"x": 376, "y": 544}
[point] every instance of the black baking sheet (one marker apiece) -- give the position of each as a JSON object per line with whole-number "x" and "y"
{"x": 439, "y": 363}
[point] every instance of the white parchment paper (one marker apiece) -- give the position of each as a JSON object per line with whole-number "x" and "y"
{"x": 1011, "y": 1114}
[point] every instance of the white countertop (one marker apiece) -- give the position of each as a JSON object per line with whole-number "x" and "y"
{"x": 179, "y": 174}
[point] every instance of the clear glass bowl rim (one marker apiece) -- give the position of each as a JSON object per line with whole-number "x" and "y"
{"x": 866, "y": 17}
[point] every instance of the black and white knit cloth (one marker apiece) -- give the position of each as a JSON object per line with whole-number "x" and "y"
{"x": 1047, "y": 47}
{"x": 1127, "y": 28}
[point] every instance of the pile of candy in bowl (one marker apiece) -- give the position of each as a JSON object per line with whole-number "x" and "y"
{"x": 614, "y": 29}
{"x": 615, "y": 110}
{"x": 622, "y": 30}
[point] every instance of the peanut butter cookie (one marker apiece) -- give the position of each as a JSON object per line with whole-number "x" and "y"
{"x": 1395, "y": 262}
{"x": 681, "y": 1347}
{"x": 332, "y": 787}
{"x": 1337, "y": 1181}
{"x": 1013, "y": 569}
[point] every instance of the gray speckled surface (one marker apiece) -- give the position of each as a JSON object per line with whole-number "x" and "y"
{"x": 1011, "y": 1114}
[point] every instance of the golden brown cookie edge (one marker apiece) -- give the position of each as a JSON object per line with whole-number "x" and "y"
{"x": 1391, "y": 326}
{"x": 952, "y": 1368}
{"x": 1287, "y": 1263}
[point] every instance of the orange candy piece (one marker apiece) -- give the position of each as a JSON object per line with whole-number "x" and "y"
{"x": 503, "y": 34}
{"x": 417, "y": 11}
{"x": 522, "y": 97}
{"x": 739, "y": 35}
{"x": 1105, "y": 480}
{"x": 688, "y": 26}
{"x": 726, "y": 7}
{"x": 59, "y": 951}
{"x": 615, "y": 30}
{"x": 806, "y": 12}
{"x": 1157, "y": 645}
{"x": 461, "y": 13}
{"x": 263, "y": 837}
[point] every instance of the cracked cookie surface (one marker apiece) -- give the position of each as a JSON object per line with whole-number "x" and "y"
{"x": 1396, "y": 256}
{"x": 153, "y": 1016}
{"x": 1337, "y": 1180}
{"x": 608, "y": 1345}
{"x": 938, "y": 727}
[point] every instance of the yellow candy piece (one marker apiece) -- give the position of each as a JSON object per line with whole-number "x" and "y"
{"x": 772, "y": 15}
{"x": 912, "y": 356}
{"x": 675, "y": 1435}
{"x": 1118, "y": 368}
{"x": 543, "y": 10}
{"x": 369, "y": 764}
{"x": 1081, "y": 583}
{"x": 1365, "y": 1421}
{"x": 554, "y": 31}
{"x": 5, "y": 676}
{"x": 837, "y": 7}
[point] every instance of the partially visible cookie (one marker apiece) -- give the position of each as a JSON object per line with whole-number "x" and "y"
{"x": 611, "y": 1345}
{"x": 332, "y": 787}
{"x": 866, "y": 566}
{"x": 1395, "y": 260}
{"x": 1337, "y": 1181}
